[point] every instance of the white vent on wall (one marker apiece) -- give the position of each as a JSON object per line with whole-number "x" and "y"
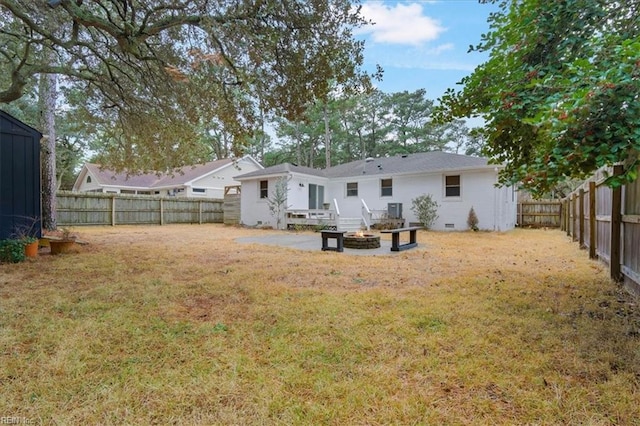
{"x": 449, "y": 226}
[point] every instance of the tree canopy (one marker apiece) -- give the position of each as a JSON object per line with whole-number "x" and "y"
{"x": 153, "y": 78}
{"x": 559, "y": 92}
{"x": 368, "y": 125}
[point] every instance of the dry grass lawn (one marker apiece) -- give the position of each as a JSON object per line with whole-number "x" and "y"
{"x": 182, "y": 324}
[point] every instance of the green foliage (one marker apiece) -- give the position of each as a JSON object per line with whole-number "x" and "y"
{"x": 321, "y": 227}
{"x": 152, "y": 78}
{"x": 278, "y": 200}
{"x": 28, "y": 240}
{"x": 565, "y": 102}
{"x": 369, "y": 125}
{"x": 425, "y": 209}
{"x": 472, "y": 220}
{"x": 12, "y": 251}
{"x": 410, "y": 116}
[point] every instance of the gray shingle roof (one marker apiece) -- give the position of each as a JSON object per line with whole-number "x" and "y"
{"x": 423, "y": 162}
{"x": 189, "y": 173}
{"x": 152, "y": 180}
{"x": 109, "y": 177}
{"x": 281, "y": 169}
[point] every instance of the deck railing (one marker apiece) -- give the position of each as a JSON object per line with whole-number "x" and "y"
{"x": 372, "y": 217}
{"x": 310, "y": 217}
{"x": 366, "y": 214}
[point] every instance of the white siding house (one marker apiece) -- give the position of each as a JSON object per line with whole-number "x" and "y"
{"x": 360, "y": 190}
{"x": 203, "y": 180}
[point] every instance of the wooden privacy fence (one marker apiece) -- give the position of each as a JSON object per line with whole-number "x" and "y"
{"x": 606, "y": 221}
{"x": 540, "y": 213}
{"x": 82, "y": 208}
{"x": 232, "y": 205}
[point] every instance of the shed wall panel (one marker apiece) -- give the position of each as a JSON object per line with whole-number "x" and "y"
{"x": 20, "y": 197}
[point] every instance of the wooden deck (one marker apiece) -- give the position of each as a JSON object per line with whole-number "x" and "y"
{"x": 314, "y": 217}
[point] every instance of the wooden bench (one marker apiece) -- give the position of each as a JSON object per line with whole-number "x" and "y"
{"x": 337, "y": 235}
{"x": 395, "y": 237}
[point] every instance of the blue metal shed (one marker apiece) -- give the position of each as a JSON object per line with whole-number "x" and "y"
{"x": 20, "y": 190}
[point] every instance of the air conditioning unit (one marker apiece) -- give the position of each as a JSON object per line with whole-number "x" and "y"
{"x": 394, "y": 210}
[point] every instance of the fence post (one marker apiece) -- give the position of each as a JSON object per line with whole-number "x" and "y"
{"x": 161, "y": 212}
{"x": 593, "y": 224}
{"x": 113, "y": 210}
{"x": 573, "y": 218}
{"x": 200, "y": 212}
{"x": 566, "y": 215}
{"x": 581, "y": 216}
{"x": 569, "y": 217}
{"x": 616, "y": 227}
{"x": 519, "y": 207}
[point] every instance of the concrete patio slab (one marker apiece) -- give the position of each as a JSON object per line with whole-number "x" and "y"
{"x": 313, "y": 243}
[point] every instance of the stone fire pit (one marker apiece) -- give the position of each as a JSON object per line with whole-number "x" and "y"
{"x": 358, "y": 240}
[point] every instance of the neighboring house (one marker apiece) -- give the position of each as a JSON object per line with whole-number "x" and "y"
{"x": 366, "y": 190}
{"x": 203, "y": 180}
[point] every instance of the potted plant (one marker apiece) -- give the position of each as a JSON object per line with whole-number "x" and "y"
{"x": 64, "y": 244}
{"x": 30, "y": 246}
{"x": 27, "y": 234}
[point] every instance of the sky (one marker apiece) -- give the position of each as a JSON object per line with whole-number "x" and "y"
{"x": 423, "y": 44}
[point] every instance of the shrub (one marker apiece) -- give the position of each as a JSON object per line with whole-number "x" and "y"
{"x": 12, "y": 251}
{"x": 426, "y": 210}
{"x": 278, "y": 200}
{"x": 472, "y": 220}
{"x": 321, "y": 227}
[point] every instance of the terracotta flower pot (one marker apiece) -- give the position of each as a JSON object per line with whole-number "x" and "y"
{"x": 61, "y": 246}
{"x": 31, "y": 249}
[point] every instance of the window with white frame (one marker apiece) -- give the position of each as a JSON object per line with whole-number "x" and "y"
{"x": 386, "y": 187}
{"x": 264, "y": 189}
{"x": 452, "y": 186}
{"x": 352, "y": 189}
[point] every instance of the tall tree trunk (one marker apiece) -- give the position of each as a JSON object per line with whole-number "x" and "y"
{"x": 48, "y": 95}
{"x": 218, "y": 147}
{"x": 327, "y": 136}
{"x": 263, "y": 137}
{"x": 298, "y": 145}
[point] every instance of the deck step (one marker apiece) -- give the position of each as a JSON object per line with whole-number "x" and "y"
{"x": 350, "y": 224}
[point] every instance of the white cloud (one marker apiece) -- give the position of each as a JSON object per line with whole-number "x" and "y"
{"x": 400, "y": 24}
{"x": 442, "y": 48}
